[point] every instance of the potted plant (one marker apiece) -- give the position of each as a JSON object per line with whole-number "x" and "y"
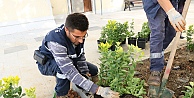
{"x": 190, "y": 43}
{"x": 123, "y": 28}
{"x": 131, "y": 39}
{"x": 114, "y": 32}
{"x": 143, "y": 35}
{"x": 189, "y": 93}
{"x": 146, "y": 31}
{"x": 117, "y": 70}
{"x": 141, "y": 40}
{"x": 9, "y": 88}
{"x": 102, "y": 39}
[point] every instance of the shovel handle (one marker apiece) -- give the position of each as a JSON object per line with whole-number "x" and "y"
{"x": 174, "y": 45}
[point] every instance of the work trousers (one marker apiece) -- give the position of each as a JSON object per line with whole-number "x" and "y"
{"x": 62, "y": 84}
{"x": 162, "y": 33}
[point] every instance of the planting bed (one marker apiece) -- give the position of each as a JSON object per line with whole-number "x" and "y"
{"x": 73, "y": 94}
{"x": 181, "y": 74}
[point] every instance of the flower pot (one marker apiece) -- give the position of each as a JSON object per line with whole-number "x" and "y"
{"x": 132, "y": 41}
{"x": 123, "y": 42}
{"x": 100, "y": 41}
{"x": 113, "y": 47}
{"x": 141, "y": 43}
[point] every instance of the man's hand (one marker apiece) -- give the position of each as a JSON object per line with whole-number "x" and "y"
{"x": 107, "y": 93}
{"x": 176, "y": 20}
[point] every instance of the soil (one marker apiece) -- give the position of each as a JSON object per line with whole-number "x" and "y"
{"x": 73, "y": 94}
{"x": 181, "y": 74}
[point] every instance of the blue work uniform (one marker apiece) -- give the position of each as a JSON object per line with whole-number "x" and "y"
{"x": 66, "y": 62}
{"x": 162, "y": 31}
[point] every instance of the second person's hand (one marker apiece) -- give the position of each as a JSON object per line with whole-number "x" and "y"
{"x": 176, "y": 20}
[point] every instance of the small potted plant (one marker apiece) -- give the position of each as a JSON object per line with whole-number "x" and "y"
{"x": 114, "y": 32}
{"x": 117, "y": 69}
{"x": 190, "y": 43}
{"x": 143, "y": 35}
{"x": 123, "y": 28}
{"x": 102, "y": 38}
{"x": 146, "y": 31}
{"x": 131, "y": 39}
{"x": 9, "y": 88}
{"x": 141, "y": 40}
{"x": 189, "y": 93}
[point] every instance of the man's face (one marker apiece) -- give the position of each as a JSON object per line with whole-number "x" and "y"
{"x": 76, "y": 36}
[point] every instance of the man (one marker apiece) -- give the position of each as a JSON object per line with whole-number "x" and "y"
{"x": 127, "y": 4}
{"x": 163, "y": 21}
{"x": 64, "y": 48}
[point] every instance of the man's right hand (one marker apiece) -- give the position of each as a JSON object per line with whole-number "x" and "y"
{"x": 176, "y": 20}
{"x": 106, "y": 92}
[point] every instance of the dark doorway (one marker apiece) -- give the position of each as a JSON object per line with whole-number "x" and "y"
{"x": 87, "y": 5}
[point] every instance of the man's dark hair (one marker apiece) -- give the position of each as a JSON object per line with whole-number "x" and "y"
{"x": 77, "y": 21}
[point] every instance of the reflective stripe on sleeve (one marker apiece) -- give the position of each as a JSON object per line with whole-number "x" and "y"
{"x": 61, "y": 76}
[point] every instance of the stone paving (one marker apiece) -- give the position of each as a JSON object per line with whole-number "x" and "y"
{"x": 16, "y": 53}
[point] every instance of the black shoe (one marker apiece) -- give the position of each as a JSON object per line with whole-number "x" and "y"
{"x": 154, "y": 78}
{"x": 182, "y": 37}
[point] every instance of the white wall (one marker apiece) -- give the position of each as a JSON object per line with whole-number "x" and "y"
{"x": 23, "y": 15}
{"x": 109, "y": 6}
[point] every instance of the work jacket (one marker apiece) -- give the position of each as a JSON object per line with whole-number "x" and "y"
{"x": 59, "y": 35}
{"x": 56, "y": 45}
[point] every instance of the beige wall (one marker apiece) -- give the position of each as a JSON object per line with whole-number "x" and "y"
{"x": 23, "y": 15}
{"x": 23, "y": 9}
{"x": 109, "y": 5}
{"x": 28, "y": 9}
{"x": 59, "y": 7}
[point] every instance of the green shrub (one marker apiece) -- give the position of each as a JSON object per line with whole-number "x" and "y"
{"x": 145, "y": 31}
{"x": 131, "y": 33}
{"x": 117, "y": 69}
{"x": 189, "y": 93}
{"x": 9, "y": 88}
{"x": 114, "y": 31}
{"x": 190, "y": 43}
{"x": 31, "y": 92}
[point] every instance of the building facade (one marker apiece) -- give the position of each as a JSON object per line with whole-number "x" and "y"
{"x": 23, "y": 15}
